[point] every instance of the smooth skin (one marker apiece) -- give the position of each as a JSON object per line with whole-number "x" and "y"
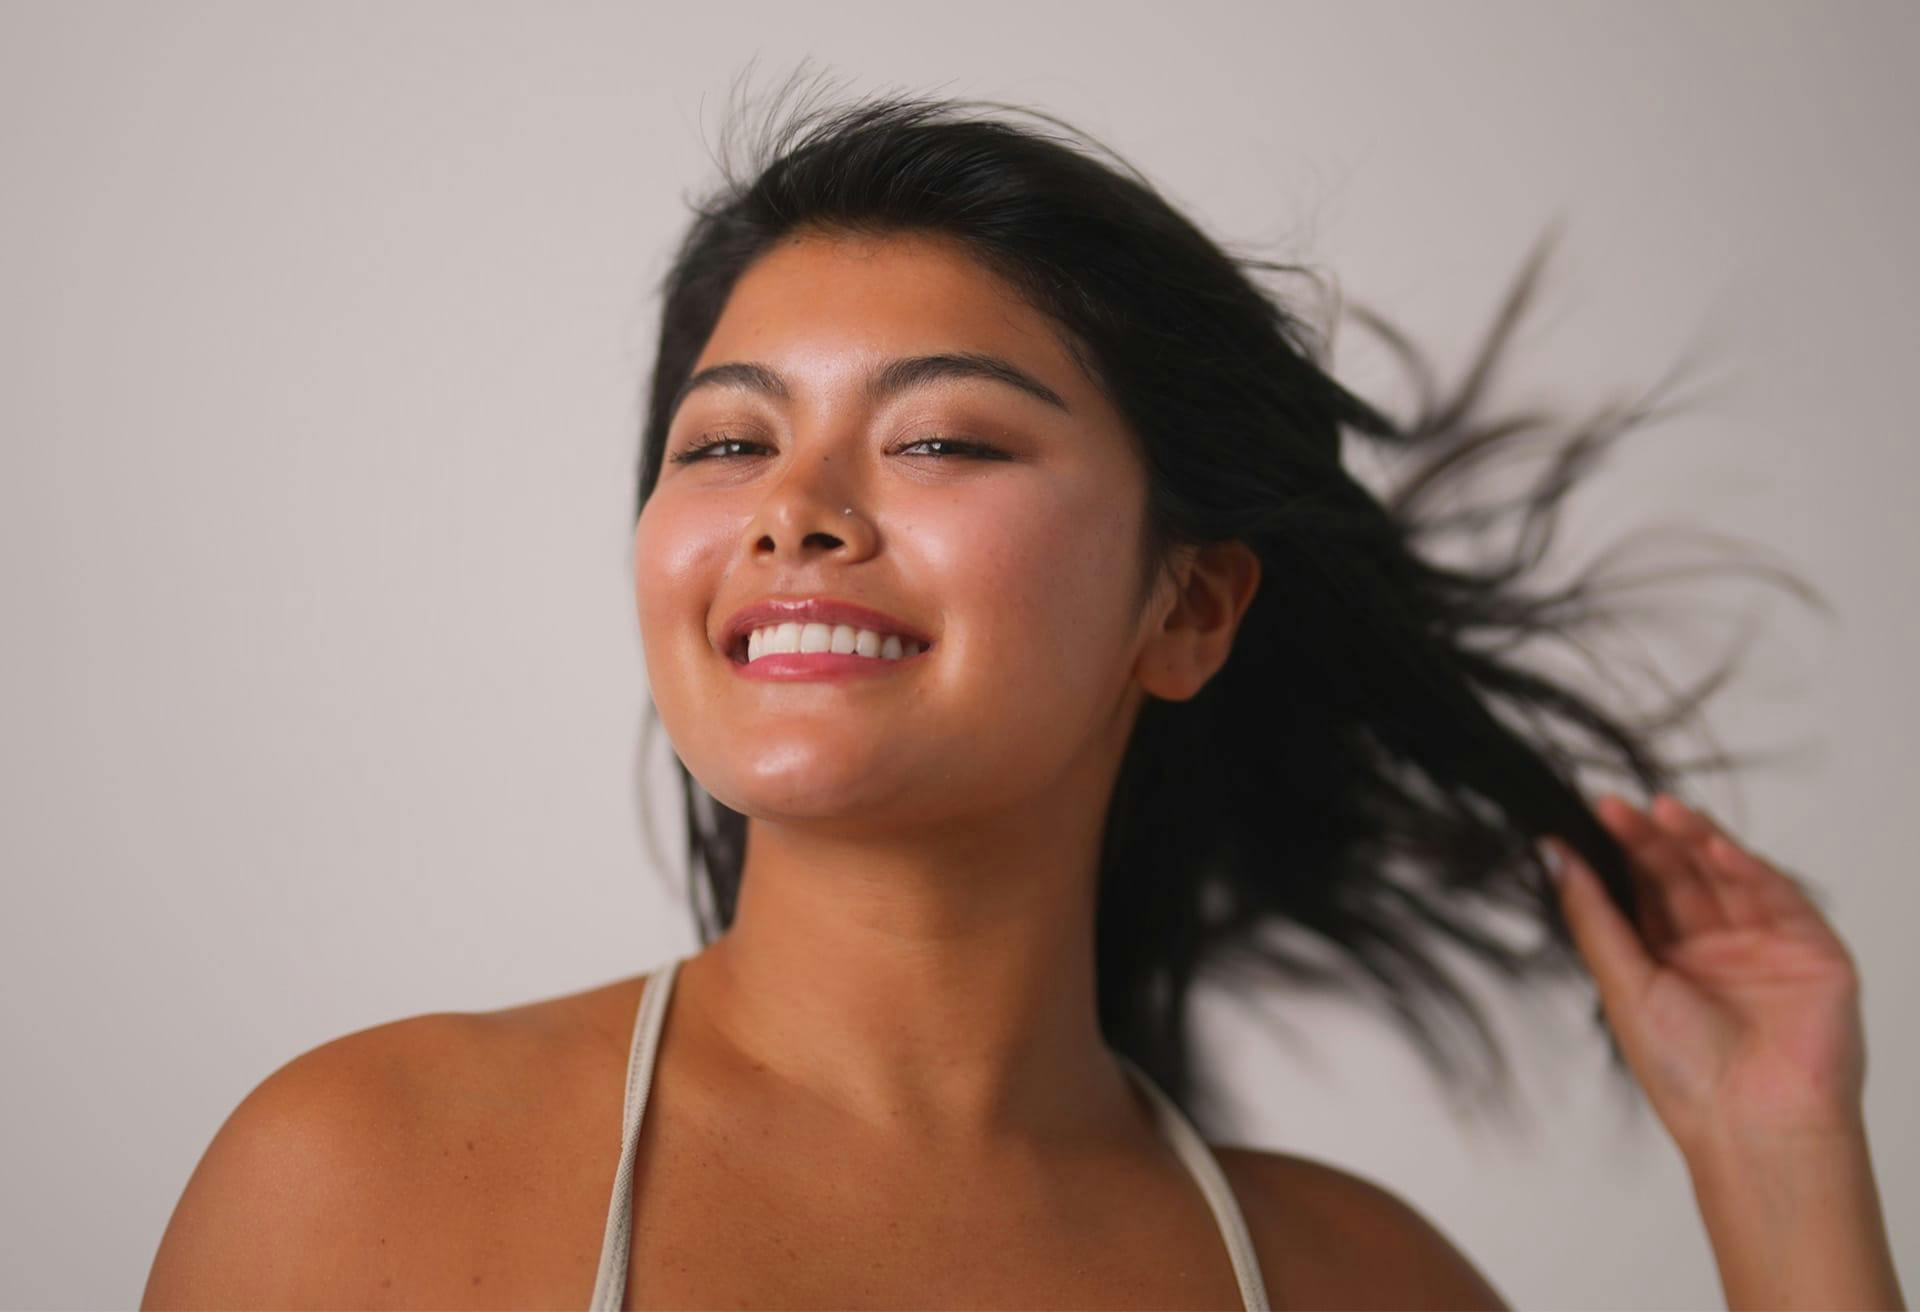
{"x": 1737, "y": 1007}
{"x": 885, "y": 1085}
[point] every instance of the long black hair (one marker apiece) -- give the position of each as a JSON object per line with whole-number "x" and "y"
{"x": 1362, "y": 780}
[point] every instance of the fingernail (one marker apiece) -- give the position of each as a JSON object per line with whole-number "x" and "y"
{"x": 1555, "y": 863}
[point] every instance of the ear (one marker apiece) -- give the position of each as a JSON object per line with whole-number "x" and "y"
{"x": 1213, "y": 585}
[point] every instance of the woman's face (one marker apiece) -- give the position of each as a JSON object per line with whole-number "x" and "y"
{"x": 1020, "y": 569}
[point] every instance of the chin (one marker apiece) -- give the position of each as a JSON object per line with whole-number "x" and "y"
{"x": 786, "y": 792}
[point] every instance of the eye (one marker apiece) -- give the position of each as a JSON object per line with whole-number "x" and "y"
{"x": 698, "y": 450}
{"x": 957, "y": 447}
{"x": 952, "y": 448}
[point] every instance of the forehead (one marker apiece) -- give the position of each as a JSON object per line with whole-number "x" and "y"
{"x": 823, "y": 307}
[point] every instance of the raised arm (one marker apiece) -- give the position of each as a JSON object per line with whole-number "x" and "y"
{"x": 1738, "y": 1009}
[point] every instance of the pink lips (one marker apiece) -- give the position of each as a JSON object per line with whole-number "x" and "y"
{"x": 819, "y": 665}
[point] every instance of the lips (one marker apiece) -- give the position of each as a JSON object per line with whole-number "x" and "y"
{"x": 811, "y": 610}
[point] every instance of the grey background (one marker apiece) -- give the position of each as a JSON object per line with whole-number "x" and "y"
{"x": 324, "y": 328}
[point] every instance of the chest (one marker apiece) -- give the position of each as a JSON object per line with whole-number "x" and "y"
{"x": 718, "y": 1224}
{"x": 742, "y": 1203}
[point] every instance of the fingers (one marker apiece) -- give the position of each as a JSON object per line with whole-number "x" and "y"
{"x": 1681, "y": 903}
{"x": 1755, "y": 890}
{"x": 1613, "y": 950}
{"x": 1741, "y": 902}
{"x": 1650, "y": 902}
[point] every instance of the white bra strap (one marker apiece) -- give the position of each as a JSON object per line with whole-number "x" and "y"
{"x": 1200, "y": 1162}
{"x": 609, "y": 1287}
{"x": 610, "y": 1284}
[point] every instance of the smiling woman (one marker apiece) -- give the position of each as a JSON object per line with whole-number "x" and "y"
{"x": 1025, "y": 647}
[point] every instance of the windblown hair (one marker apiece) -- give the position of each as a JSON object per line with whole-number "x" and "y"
{"x": 1363, "y": 780}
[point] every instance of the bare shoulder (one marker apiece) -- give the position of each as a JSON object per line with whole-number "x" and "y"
{"x": 379, "y": 1168}
{"x": 1330, "y": 1238}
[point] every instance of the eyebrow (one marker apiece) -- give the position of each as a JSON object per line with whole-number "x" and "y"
{"x": 888, "y": 379}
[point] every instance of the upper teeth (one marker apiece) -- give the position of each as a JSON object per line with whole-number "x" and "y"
{"x": 793, "y": 636}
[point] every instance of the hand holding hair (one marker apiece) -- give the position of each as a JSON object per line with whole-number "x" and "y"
{"x": 1738, "y": 1009}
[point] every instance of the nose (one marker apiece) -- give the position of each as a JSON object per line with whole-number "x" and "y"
{"x": 808, "y": 515}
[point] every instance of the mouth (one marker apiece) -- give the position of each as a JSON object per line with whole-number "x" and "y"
{"x": 838, "y": 648}
{"x": 795, "y": 633}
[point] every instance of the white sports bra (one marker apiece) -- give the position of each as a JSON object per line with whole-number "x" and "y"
{"x": 610, "y": 1286}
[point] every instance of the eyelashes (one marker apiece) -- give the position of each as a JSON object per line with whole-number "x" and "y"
{"x": 955, "y": 448}
{"x": 697, "y": 450}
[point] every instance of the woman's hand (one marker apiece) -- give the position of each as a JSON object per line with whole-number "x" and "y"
{"x": 1733, "y": 1000}
{"x": 1738, "y": 1009}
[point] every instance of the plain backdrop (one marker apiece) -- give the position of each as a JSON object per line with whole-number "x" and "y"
{"x": 324, "y": 329}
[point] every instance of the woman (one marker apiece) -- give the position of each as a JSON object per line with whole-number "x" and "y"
{"x": 1003, "y": 592}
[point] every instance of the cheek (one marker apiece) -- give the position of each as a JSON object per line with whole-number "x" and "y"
{"x": 675, "y": 555}
{"x": 1044, "y": 586}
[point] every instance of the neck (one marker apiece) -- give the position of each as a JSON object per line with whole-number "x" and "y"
{"x": 941, "y": 986}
